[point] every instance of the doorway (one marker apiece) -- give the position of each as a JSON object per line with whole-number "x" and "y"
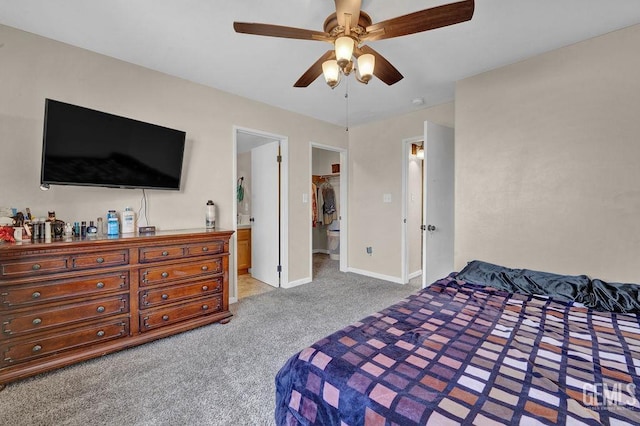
{"x": 260, "y": 244}
{"x": 328, "y": 208}
{"x": 437, "y": 224}
{"x": 412, "y": 209}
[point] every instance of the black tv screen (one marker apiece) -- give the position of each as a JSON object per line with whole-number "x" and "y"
{"x": 82, "y": 146}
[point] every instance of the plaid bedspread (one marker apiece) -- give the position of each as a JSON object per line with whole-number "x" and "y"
{"x": 457, "y": 353}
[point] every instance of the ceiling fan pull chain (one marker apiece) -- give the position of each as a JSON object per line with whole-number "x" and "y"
{"x": 346, "y": 97}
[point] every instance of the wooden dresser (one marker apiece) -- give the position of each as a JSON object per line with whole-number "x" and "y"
{"x": 66, "y": 301}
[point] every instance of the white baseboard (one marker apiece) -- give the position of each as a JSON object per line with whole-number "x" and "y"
{"x": 296, "y": 283}
{"x": 415, "y": 274}
{"x": 396, "y": 280}
{"x": 322, "y": 251}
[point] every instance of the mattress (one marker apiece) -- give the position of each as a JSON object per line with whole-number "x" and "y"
{"x": 463, "y": 353}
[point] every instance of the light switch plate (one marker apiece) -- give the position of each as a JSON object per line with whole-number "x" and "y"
{"x": 386, "y": 198}
{"x": 305, "y": 197}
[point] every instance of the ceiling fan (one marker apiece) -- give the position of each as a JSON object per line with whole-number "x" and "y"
{"x": 349, "y": 27}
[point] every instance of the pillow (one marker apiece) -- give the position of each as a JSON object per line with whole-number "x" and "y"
{"x": 526, "y": 281}
{"x": 614, "y": 297}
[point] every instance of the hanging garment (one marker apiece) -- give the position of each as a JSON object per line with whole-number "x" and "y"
{"x": 314, "y": 205}
{"x": 329, "y": 210}
{"x": 319, "y": 205}
{"x": 240, "y": 189}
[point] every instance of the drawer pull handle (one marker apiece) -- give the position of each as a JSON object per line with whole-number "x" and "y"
{"x": 100, "y": 260}
{"x": 36, "y": 348}
{"x": 205, "y": 287}
{"x": 164, "y": 274}
{"x": 165, "y": 253}
{"x": 100, "y": 284}
{"x": 165, "y": 318}
{"x": 100, "y": 333}
{"x": 205, "y": 248}
{"x": 35, "y": 294}
{"x": 164, "y": 296}
{"x": 100, "y": 309}
{"x": 205, "y": 268}
{"x": 205, "y": 307}
{"x": 36, "y": 266}
{"x": 36, "y": 321}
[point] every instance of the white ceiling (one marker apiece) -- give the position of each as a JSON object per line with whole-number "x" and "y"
{"x": 194, "y": 40}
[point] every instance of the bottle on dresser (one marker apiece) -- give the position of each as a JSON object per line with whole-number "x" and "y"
{"x": 113, "y": 228}
{"x": 210, "y": 215}
{"x": 128, "y": 221}
{"x": 92, "y": 230}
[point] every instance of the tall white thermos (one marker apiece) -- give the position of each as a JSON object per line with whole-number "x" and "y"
{"x": 210, "y": 215}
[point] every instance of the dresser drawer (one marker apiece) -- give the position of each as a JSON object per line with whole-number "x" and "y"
{"x": 27, "y": 349}
{"x": 176, "y": 271}
{"x": 24, "y": 267}
{"x": 12, "y": 297}
{"x": 178, "y": 251}
{"x": 160, "y": 296}
{"x": 100, "y": 259}
{"x": 154, "y": 254}
{"x": 208, "y": 247}
{"x": 44, "y": 319}
{"x": 161, "y": 317}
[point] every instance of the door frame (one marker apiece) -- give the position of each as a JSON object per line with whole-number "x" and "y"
{"x": 284, "y": 206}
{"x": 404, "y": 241}
{"x": 343, "y": 215}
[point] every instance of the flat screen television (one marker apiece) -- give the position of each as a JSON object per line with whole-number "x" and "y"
{"x": 82, "y": 146}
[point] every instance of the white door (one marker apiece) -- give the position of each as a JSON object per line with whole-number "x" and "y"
{"x": 265, "y": 202}
{"x": 438, "y": 199}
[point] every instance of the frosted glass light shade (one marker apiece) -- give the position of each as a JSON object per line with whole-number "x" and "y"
{"x": 366, "y": 64}
{"x": 344, "y": 50}
{"x": 331, "y": 72}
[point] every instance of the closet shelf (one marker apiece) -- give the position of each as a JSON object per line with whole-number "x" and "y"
{"x": 319, "y": 178}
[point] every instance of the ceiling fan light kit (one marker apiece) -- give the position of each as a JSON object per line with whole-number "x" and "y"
{"x": 331, "y": 72}
{"x": 348, "y": 40}
{"x": 344, "y": 50}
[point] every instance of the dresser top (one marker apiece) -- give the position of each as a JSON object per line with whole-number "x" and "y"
{"x": 165, "y": 235}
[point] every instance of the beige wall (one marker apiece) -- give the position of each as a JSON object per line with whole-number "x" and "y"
{"x": 34, "y": 68}
{"x": 547, "y": 161}
{"x": 375, "y": 168}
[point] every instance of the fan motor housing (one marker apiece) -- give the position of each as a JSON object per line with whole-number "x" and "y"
{"x": 332, "y": 27}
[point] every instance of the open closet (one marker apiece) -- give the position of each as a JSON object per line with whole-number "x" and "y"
{"x": 325, "y": 208}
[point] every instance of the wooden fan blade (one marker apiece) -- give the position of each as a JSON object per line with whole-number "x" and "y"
{"x": 350, "y": 7}
{"x": 383, "y": 68}
{"x": 424, "y": 20}
{"x": 280, "y": 31}
{"x": 314, "y": 70}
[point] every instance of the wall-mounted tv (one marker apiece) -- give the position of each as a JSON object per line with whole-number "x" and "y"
{"x": 82, "y": 146}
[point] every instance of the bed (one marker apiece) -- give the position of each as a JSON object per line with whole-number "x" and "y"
{"x": 487, "y": 346}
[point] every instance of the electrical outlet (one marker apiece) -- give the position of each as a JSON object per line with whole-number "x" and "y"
{"x": 369, "y": 251}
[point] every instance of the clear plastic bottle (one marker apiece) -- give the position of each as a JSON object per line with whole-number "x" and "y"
{"x": 100, "y": 227}
{"x": 210, "y": 215}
